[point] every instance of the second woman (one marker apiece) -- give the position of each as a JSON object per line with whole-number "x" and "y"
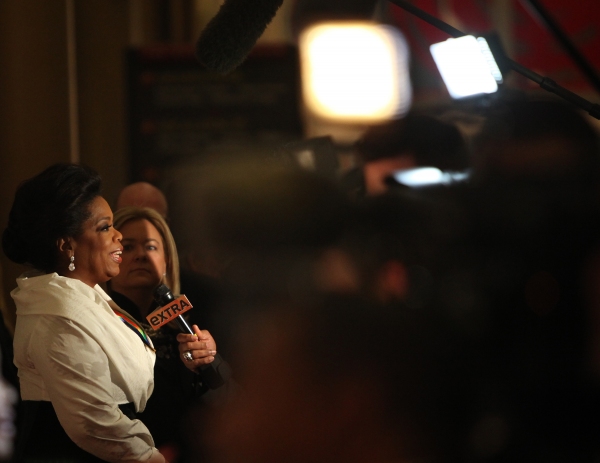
{"x": 149, "y": 259}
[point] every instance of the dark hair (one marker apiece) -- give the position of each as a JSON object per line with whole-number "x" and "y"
{"x": 49, "y": 206}
{"x": 432, "y": 142}
{"x": 529, "y": 122}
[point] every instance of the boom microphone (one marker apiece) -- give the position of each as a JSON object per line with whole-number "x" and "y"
{"x": 232, "y": 33}
{"x": 171, "y": 309}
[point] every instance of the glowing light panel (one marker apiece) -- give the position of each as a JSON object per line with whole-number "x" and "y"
{"x": 355, "y": 71}
{"x": 427, "y": 176}
{"x": 466, "y": 66}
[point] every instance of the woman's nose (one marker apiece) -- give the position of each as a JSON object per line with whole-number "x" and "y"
{"x": 140, "y": 253}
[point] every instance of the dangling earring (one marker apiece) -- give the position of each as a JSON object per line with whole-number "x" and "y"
{"x": 72, "y": 265}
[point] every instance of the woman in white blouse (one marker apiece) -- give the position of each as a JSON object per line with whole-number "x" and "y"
{"x": 85, "y": 367}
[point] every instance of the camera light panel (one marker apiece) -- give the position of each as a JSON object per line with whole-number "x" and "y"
{"x": 467, "y": 66}
{"x": 355, "y": 71}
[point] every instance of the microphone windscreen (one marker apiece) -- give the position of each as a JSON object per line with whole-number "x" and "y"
{"x": 230, "y": 36}
{"x": 162, "y": 295}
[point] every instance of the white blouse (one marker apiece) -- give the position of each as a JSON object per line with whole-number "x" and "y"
{"x": 72, "y": 350}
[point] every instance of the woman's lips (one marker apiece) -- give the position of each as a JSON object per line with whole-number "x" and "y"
{"x": 116, "y": 256}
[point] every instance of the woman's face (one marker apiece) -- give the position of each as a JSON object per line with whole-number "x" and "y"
{"x": 144, "y": 262}
{"x": 97, "y": 250}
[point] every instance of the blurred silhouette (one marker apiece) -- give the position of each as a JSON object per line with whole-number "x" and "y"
{"x": 143, "y": 194}
{"x": 475, "y": 303}
{"x": 536, "y": 139}
{"x": 256, "y": 229}
{"x": 390, "y": 248}
{"x": 413, "y": 141}
{"x": 339, "y": 379}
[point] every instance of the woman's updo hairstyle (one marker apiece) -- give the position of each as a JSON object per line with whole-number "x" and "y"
{"x": 52, "y": 205}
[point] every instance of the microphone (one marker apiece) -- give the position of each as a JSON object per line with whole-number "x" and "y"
{"x": 171, "y": 309}
{"x": 228, "y": 37}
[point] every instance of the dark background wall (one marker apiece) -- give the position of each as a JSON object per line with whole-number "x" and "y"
{"x": 35, "y": 122}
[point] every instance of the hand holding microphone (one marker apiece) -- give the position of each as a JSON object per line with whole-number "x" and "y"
{"x": 196, "y": 347}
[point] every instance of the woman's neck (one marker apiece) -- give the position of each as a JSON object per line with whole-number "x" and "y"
{"x": 141, "y": 297}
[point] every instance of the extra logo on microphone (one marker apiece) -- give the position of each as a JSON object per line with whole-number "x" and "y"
{"x": 169, "y": 312}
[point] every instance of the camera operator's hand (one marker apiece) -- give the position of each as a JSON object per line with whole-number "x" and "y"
{"x": 196, "y": 349}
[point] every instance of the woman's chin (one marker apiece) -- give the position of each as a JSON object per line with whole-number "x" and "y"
{"x": 113, "y": 272}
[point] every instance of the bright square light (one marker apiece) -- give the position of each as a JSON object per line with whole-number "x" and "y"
{"x": 355, "y": 71}
{"x": 466, "y": 65}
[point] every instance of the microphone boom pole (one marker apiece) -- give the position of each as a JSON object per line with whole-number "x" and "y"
{"x": 544, "y": 82}
{"x": 542, "y": 14}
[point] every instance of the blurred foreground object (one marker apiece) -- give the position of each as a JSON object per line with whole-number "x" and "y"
{"x": 417, "y": 140}
{"x": 427, "y": 176}
{"x": 355, "y": 71}
{"x": 391, "y": 401}
{"x": 8, "y": 398}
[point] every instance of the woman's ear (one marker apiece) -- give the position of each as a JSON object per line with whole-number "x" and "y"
{"x": 64, "y": 244}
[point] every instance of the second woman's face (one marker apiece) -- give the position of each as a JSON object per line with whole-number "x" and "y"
{"x": 144, "y": 263}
